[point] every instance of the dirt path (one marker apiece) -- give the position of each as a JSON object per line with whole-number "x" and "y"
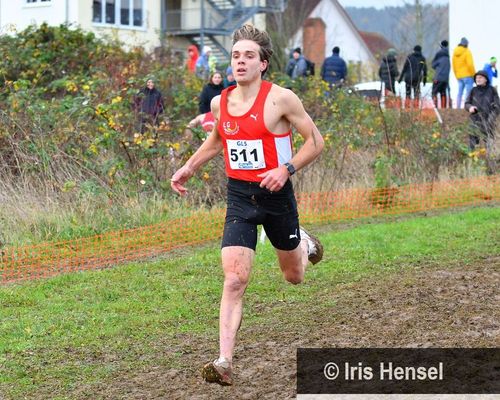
{"x": 454, "y": 306}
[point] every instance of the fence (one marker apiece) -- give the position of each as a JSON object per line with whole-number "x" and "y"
{"x": 110, "y": 249}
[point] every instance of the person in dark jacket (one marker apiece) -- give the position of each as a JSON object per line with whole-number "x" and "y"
{"x": 441, "y": 64}
{"x": 388, "y": 71}
{"x": 334, "y": 69}
{"x": 210, "y": 90}
{"x": 483, "y": 106}
{"x": 414, "y": 72}
{"x": 149, "y": 105}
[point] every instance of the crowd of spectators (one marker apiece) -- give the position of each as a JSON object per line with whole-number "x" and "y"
{"x": 476, "y": 91}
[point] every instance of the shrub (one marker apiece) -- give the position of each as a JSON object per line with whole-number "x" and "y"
{"x": 68, "y": 130}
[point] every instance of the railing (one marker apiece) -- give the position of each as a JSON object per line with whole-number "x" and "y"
{"x": 190, "y": 19}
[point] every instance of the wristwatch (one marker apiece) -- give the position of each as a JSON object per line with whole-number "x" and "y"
{"x": 290, "y": 168}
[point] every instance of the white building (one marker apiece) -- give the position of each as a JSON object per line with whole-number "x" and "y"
{"x": 340, "y": 31}
{"x": 327, "y": 25}
{"x": 135, "y": 22}
{"x": 183, "y": 22}
{"x": 143, "y": 22}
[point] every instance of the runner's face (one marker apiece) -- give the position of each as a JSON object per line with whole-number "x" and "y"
{"x": 245, "y": 61}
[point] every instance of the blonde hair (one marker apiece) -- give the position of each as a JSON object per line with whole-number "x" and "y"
{"x": 250, "y": 32}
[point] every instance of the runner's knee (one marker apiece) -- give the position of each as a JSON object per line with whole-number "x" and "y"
{"x": 236, "y": 282}
{"x": 294, "y": 277}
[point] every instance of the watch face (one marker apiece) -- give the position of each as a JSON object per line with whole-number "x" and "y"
{"x": 291, "y": 168}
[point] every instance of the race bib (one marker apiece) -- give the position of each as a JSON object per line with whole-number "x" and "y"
{"x": 246, "y": 154}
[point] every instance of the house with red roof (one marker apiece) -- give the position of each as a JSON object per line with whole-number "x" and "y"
{"x": 324, "y": 24}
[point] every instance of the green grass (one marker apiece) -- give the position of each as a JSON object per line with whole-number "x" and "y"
{"x": 83, "y": 328}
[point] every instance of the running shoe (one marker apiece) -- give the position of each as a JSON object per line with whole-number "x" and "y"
{"x": 314, "y": 246}
{"x": 218, "y": 372}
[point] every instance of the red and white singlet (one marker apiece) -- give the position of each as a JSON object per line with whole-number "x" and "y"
{"x": 249, "y": 147}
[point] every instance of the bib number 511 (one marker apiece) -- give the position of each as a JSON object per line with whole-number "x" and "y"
{"x": 246, "y": 154}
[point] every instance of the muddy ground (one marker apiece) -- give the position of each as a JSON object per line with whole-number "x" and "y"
{"x": 430, "y": 306}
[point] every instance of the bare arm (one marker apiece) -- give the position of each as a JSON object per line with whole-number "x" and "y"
{"x": 208, "y": 150}
{"x": 196, "y": 121}
{"x": 294, "y": 112}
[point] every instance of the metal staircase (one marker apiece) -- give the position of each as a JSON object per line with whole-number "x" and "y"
{"x": 214, "y": 20}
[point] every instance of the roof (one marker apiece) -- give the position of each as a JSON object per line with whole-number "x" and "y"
{"x": 377, "y": 43}
{"x": 354, "y": 27}
{"x": 298, "y": 11}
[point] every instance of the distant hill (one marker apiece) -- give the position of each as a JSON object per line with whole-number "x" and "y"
{"x": 398, "y": 25}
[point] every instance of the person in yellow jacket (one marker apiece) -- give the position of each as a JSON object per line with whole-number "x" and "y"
{"x": 463, "y": 68}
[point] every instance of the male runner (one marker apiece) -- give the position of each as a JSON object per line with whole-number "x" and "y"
{"x": 253, "y": 126}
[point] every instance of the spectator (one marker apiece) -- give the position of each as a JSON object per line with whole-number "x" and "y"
{"x": 192, "y": 58}
{"x": 483, "y": 106}
{"x": 334, "y": 69}
{"x": 414, "y": 72}
{"x": 149, "y": 105}
{"x": 297, "y": 65}
{"x": 463, "y": 68}
{"x": 229, "y": 79}
{"x": 388, "y": 71}
{"x": 206, "y": 63}
{"x": 441, "y": 64}
{"x": 210, "y": 90}
{"x": 491, "y": 69}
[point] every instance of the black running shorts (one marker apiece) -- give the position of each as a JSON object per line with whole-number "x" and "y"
{"x": 249, "y": 205}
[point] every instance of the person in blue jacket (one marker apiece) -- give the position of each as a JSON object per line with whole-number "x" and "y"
{"x": 491, "y": 70}
{"x": 229, "y": 79}
{"x": 441, "y": 64}
{"x": 334, "y": 69}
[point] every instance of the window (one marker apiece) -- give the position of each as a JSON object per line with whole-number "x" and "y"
{"x": 118, "y": 12}
{"x": 110, "y": 12}
{"x": 125, "y": 13}
{"x": 97, "y": 11}
{"x": 137, "y": 13}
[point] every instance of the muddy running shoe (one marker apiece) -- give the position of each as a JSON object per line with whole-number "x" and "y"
{"x": 218, "y": 372}
{"x": 314, "y": 246}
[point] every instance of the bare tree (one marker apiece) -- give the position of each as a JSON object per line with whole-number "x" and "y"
{"x": 283, "y": 26}
{"x": 421, "y": 24}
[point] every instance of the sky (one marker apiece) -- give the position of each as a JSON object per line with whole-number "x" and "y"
{"x": 385, "y": 3}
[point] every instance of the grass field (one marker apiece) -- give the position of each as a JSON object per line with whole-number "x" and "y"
{"x": 74, "y": 336}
